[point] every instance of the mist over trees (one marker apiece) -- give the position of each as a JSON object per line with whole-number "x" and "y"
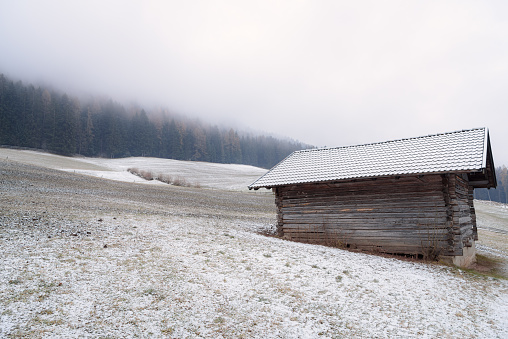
{"x": 42, "y": 118}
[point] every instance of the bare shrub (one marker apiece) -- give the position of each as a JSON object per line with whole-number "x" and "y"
{"x": 165, "y": 178}
{"x": 147, "y": 175}
{"x": 431, "y": 251}
{"x": 180, "y": 181}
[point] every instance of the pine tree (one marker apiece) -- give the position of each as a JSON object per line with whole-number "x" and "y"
{"x": 3, "y": 108}
{"x": 66, "y": 113}
{"x": 175, "y": 141}
{"x": 48, "y": 120}
{"x": 89, "y": 133}
{"x": 215, "y": 147}
{"x": 199, "y": 147}
{"x": 9, "y": 114}
{"x": 142, "y": 134}
{"x": 165, "y": 141}
{"x": 188, "y": 144}
{"x": 232, "y": 149}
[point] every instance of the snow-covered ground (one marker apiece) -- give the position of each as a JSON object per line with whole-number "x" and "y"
{"x": 493, "y": 216}
{"x": 492, "y": 221}
{"x": 85, "y": 257}
{"x": 161, "y": 277}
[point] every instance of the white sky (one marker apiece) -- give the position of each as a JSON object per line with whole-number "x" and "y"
{"x": 328, "y": 73}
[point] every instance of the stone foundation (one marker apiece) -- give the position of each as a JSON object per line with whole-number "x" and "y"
{"x": 465, "y": 260}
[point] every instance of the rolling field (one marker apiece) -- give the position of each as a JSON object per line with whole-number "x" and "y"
{"x": 82, "y": 255}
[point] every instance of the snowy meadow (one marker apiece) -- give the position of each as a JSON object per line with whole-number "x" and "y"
{"x": 89, "y": 250}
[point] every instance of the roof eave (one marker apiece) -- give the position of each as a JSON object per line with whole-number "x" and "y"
{"x": 399, "y": 175}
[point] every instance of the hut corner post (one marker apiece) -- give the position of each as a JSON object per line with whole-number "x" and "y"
{"x": 473, "y": 211}
{"x": 278, "y": 205}
{"x": 461, "y": 220}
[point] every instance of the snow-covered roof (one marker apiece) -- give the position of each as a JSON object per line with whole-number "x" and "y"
{"x": 466, "y": 151}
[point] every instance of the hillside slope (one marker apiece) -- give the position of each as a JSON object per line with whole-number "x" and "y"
{"x": 210, "y": 175}
{"x": 83, "y": 256}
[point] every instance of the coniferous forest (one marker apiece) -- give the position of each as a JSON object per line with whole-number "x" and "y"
{"x": 41, "y": 118}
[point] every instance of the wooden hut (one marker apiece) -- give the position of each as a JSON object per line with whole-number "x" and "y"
{"x": 411, "y": 196}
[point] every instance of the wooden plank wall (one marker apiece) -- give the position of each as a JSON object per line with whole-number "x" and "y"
{"x": 412, "y": 215}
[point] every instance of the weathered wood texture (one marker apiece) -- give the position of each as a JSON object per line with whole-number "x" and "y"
{"x": 412, "y": 215}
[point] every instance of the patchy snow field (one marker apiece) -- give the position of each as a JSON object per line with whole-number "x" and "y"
{"x": 82, "y": 256}
{"x": 221, "y": 176}
{"x": 492, "y": 221}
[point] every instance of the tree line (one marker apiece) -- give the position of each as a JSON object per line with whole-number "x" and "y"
{"x": 42, "y": 118}
{"x": 498, "y": 194}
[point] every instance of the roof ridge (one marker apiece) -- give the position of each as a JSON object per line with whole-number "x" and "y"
{"x": 389, "y": 141}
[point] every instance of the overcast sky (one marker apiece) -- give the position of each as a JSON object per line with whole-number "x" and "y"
{"x": 327, "y": 73}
